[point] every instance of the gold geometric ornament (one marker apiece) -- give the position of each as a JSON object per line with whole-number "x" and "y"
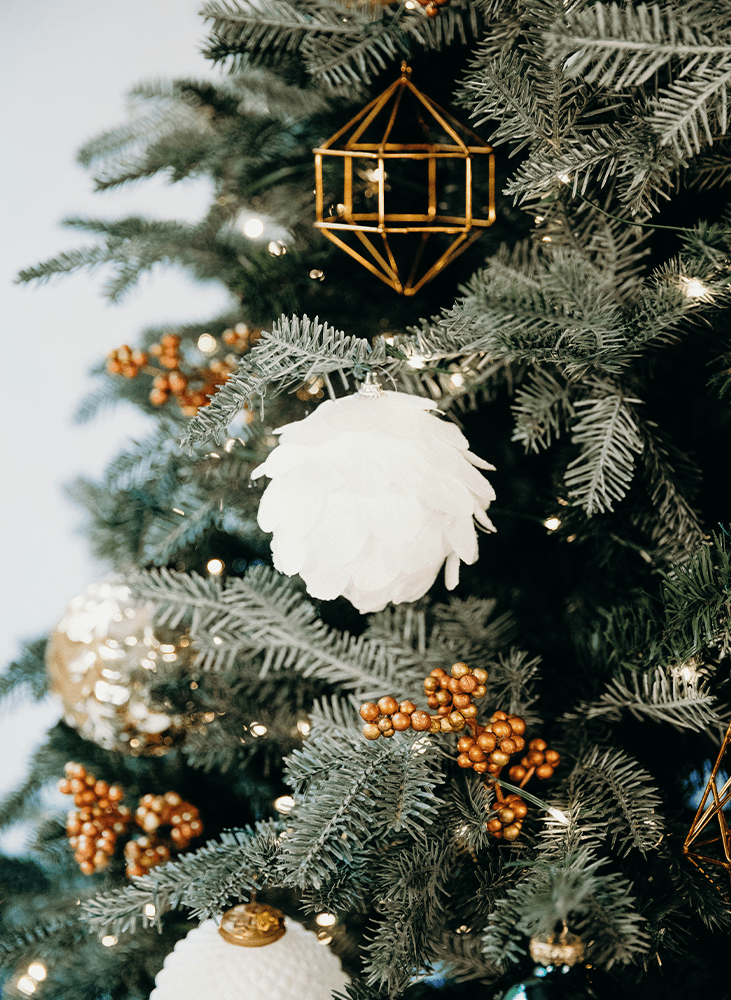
{"x": 708, "y": 844}
{"x": 394, "y": 187}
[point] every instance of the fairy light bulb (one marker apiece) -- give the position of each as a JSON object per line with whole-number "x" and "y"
{"x": 206, "y": 343}
{"x": 693, "y": 288}
{"x": 253, "y": 228}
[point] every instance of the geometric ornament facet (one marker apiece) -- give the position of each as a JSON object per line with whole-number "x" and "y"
{"x": 708, "y": 844}
{"x": 394, "y": 187}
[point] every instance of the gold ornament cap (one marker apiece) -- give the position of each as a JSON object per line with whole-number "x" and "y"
{"x": 557, "y": 949}
{"x": 252, "y": 925}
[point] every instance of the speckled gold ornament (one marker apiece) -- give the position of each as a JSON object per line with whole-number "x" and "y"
{"x": 101, "y": 659}
{"x": 563, "y": 948}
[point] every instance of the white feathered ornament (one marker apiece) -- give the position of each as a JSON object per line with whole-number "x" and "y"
{"x": 370, "y": 494}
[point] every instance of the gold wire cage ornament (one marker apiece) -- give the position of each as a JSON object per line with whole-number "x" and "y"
{"x": 709, "y": 839}
{"x": 368, "y": 151}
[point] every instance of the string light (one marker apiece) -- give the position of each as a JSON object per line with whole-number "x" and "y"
{"x": 150, "y": 910}
{"x": 26, "y": 985}
{"x": 552, "y": 523}
{"x": 206, "y": 343}
{"x": 561, "y": 817}
{"x": 457, "y": 379}
{"x": 564, "y": 178}
{"x": 416, "y": 361}
{"x": 317, "y": 274}
{"x": 693, "y": 288}
{"x": 257, "y": 729}
{"x": 214, "y": 567}
{"x": 253, "y": 228}
{"x": 109, "y": 940}
{"x": 284, "y": 804}
{"x": 37, "y": 971}
{"x": 303, "y": 726}
{"x": 276, "y": 248}
{"x": 326, "y": 919}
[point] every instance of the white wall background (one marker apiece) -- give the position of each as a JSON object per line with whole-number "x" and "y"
{"x": 66, "y": 66}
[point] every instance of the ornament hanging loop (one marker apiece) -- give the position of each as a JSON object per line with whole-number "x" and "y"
{"x": 371, "y": 388}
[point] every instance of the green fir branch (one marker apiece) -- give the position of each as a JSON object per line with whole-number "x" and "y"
{"x": 692, "y": 112}
{"x": 623, "y": 46}
{"x": 657, "y": 695}
{"x": 353, "y": 790}
{"x": 206, "y": 881}
{"x": 598, "y": 906}
{"x": 542, "y": 410}
{"x": 265, "y": 613}
{"x": 417, "y": 876}
{"x": 609, "y": 439}
{"x": 295, "y": 350}
{"x": 624, "y": 799}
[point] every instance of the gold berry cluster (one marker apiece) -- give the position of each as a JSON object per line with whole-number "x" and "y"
{"x": 154, "y": 812}
{"x": 93, "y": 830}
{"x": 431, "y": 7}
{"x": 491, "y": 750}
{"x": 124, "y": 361}
{"x": 172, "y": 378}
{"x": 508, "y": 821}
{"x": 451, "y": 696}
{"x": 484, "y": 749}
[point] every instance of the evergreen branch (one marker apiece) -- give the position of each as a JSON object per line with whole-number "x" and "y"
{"x": 624, "y": 798}
{"x": 55, "y": 936}
{"x": 582, "y": 156}
{"x": 205, "y": 881}
{"x": 506, "y": 92}
{"x": 294, "y": 351}
{"x": 264, "y": 612}
{"x": 609, "y": 440}
{"x": 344, "y": 62}
{"x": 28, "y": 671}
{"x": 268, "y": 28}
{"x": 690, "y": 113}
{"x": 597, "y": 906}
{"x": 469, "y": 803}
{"x": 542, "y": 410}
{"x": 562, "y": 309}
{"x": 357, "y": 789}
{"x": 623, "y": 46}
{"x": 418, "y": 877}
{"x": 657, "y": 695}
{"x": 696, "y": 598}
{"x": 512, "y": 683}
{"x": 674, "y": 526}
{"x": 169, "y": 533}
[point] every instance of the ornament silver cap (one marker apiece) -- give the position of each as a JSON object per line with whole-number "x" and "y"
{"x": 371, "y": 388}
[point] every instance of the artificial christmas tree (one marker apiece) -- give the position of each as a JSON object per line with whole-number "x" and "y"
{"x": 581, "y": 346}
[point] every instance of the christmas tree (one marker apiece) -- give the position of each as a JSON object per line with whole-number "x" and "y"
{"x": 502, "y": 780}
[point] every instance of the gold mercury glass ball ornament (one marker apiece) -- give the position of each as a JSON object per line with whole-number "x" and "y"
{"x": 564, "y": 948}
{"x": 254, "y": 954}
{"x": 100, "y": 660}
